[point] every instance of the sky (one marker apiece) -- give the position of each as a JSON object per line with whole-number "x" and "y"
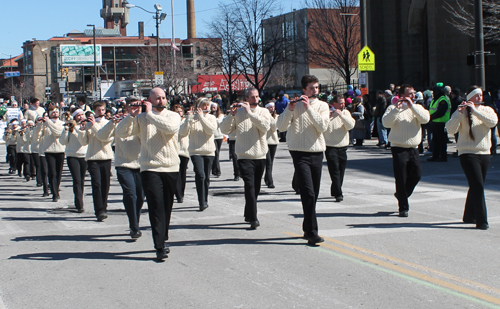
{"x": 48, "y": 18}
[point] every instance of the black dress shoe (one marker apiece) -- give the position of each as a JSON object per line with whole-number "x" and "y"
{"x": 315, "y": 239}
{"x": 180, "y": 200}
{"x": 403, "y": 213}
{"x": 203, "y": 207}
{"x": 161, "y": 254}
{"x": 81, "y": 210}
{"x": 483, "y": 226}
{"x": 135, "y": 234}
{"x": 339, "y": 199}
{"x": 28, "y": 178}
{"x": 39, "y": 185}
{"x": 254, "y": 225}
{"x": 271, "y": 186}
{"x": 236, "y": 178}
{"x": 102, "y": 216}
{"x": 55, "y": 199}
{"x": 45, "y": 195}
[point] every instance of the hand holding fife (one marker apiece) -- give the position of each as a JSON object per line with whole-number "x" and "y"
{"x": 305, "y": 101}
{"x": 148, "y": 106}
{"x": 234, "y": 109}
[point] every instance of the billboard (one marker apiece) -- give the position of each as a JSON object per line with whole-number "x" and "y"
{"x": 218, "y": 83}
{"x": 80, "y": 55}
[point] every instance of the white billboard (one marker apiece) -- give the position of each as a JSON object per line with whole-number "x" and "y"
{"x": 80, "y": 55}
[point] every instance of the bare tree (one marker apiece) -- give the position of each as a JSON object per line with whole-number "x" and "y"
{"x": 22, "y": 88}
{"x": 462, "y": 18}
{"x": 222, "y": 49}
{"x": 256, "y": 59}
{"x": 334, "y": 35}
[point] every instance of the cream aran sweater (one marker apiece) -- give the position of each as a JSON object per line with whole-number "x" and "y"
{"x": 405, "y": 125}
{"x": 158, "y": 133}
{"x": 127, "y": 149}
{"x": 49, "y": 133}
{"x": 200, "y": 128}
{"x": 74, "y": 145}
{"x": 251, "y": 132}
{"x": 337, "y": 134}
{"x": 99, "y": 147}
{"x": 218, "y": 134}
{"x": 183, "y": 143}
{"x": 33, "y": 114}
{"x": 272, "y": 134}
{"x": 305, "y": 127}
{"x": 483, "y": 119}
{"x": 23, "y": 143}
{"x": 35, "y": 141}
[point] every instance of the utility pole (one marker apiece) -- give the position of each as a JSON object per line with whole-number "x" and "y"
{"x": 364, "y": 32}
{"x": 479, "y": 44}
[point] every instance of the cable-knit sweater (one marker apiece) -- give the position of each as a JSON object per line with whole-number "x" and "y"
{"x": 305, "y": 127}
{"x": 34, "y": 141}
{"x": 22, "y": 142}
{"x": 200, "y": 128}
{"x": 74, "y": 145}
{"x": 272, "y": 134}
{"x": 337, "y": 134}
{"x": 158, "y": 133}
{"x": 48, "y": 133}
{"x": 183, "y": 143}
{"x": 10, "y": 140}
{"x": 251, "y": 132}
{"x": 483, "y": 119}
{"x": 33, "y": 114}
{"x": 127, "y": 149}
{"x": 405, "y": 125}
{"x": 218, "y": 134}
{"x": 99, "y": 147}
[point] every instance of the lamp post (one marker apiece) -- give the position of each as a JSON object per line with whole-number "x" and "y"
{"x": 158, "y": 16}
{"x": 95, "y": 57}
{"x": 479, "y": 44}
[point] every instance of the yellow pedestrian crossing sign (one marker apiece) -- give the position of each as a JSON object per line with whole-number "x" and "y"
{"x": 366, "y": 60}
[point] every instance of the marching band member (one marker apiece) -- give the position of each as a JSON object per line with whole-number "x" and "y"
{"x": 305, "y": 123}
{"x": 272, "y": 144}
{"x": 99, "y": 156}
{"x": 9, "y": 137}
{"x": 127, "y": 151}
{"x": 183, "y": 157}
{"x": 200, "y": 126}
{"x": 76, "y": 142}
{"x": 157, "y": 129}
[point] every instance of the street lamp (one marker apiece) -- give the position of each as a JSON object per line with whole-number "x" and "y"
{"x": 43, "y": 50}
{"x": 95, "y": 59}
{"x": 158, "y": 17}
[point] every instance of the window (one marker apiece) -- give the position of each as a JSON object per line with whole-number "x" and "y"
{"x": 206, "y": 63}
{"x": 197, "y": 50}
{"x": 198, "y": 64}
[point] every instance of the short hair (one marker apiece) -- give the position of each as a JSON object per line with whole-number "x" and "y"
{"x": 130, "y": 99}
{"x": 98, "y": 104}
{"x": 176, "y": 106}
{"x": 51, "y": 108}
{"x": 34, "y": 100}
{"x": 402, "y": 89}
{"x": 249, "y": 90}
{"x": 307, "y": 79}
{"x": 81, "y": 99}
{"x": 336, "y": 98}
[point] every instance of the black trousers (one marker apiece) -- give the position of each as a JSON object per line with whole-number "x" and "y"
{"x": 35, "y": 167}
{"x": 133, "y": 194}
{"x": 159, "y": 189}
{"x": 439, "y": 141}
{"x": 251, "y": 173}
{"x": 181, "y": 180}
{"x": 268, "y": 176}
{"x": 216, "y": 165}
{"x": 23, "y": 164}
{"x": 407, "y": 172}
{"x": 336, "y": 158}
{"x": 202, "y": 169}
{"x": 308, "y": 167}
{"x": 11, "y": 156}
{"x": 234, "y": 157}
{"x": 43, "y": 174}
{"x": 475, "y": 168}
{"x": 55, "y": 162}
{"x": 78, "y": 169}
{"x": 100, "y": 177}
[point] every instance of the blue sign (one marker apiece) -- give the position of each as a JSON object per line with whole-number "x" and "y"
{"x": 12, "y": 74}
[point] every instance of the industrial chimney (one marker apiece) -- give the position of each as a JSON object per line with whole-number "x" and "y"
{"x": 191, "y": 19}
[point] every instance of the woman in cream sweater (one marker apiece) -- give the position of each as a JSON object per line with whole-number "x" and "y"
{"x": 473, "y": 122}
{"x": 200, "y": 126}
{"x": 272, "y": 144}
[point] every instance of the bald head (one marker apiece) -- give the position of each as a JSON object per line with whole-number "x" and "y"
{"x": 157, "y": 97}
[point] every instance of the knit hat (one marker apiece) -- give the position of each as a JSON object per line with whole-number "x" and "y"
{"x": 419, "y": 96}
{"x": 77, "y": 112}
{"x": 357, "y": 92}
{"x": 270, "y": 104}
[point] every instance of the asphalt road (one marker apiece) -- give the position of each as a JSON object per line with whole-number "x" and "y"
{"x": 52, "y": 257}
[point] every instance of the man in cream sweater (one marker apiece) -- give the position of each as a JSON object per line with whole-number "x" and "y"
{"x": 158, "y": 130}
{"x": 251, "y": 123}
{"x": 305, "y": 121}
{"x": 99, "y": 156}
{"x": 405, "y": 120}
{"x": 337, "y": 140}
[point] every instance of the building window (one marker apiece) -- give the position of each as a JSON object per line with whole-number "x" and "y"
{"x": 197, "y": 50}
{"x": 206, "y": 49}
{"x": 198, "y": 64}
{"x": 206, "y": 63}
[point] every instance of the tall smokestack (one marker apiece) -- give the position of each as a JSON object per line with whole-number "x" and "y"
{"x": 191, "y": 19}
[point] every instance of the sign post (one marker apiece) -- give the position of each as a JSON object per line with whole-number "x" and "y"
{"x": 366, "y": 63}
